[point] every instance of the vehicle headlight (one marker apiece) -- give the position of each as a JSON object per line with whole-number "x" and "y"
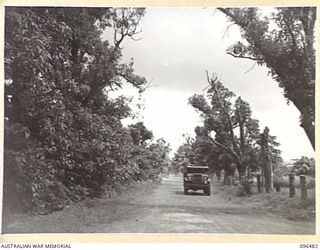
{"x": 206, "y": 179}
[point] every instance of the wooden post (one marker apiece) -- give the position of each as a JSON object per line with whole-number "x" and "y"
{"x": 223, "y": 177}
{"x": 303, "y": 186}
{"x": 218, "y": 173}
{"x": 259, "y": 183}
{"x": 226, "y": 180}
{"x": 291, "y": 185}
{"x": 262, "y": 181}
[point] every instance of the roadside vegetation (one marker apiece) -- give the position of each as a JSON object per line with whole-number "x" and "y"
{"x": 238, "y": 154}
{"x": 64, "y": 140}
{"x": 278, "y": 204}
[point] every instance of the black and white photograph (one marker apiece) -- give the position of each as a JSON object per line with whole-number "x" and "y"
{"x": 159, "y": 120}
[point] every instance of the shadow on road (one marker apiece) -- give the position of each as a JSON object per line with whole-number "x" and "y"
{"x": 190, "y": 193}
{"x": 179, "y": 192}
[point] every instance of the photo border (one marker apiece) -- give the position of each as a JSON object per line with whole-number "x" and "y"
{"x": 151, "y": 237}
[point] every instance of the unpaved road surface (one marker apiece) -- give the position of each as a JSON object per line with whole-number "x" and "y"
{"x": 162, "y": 209}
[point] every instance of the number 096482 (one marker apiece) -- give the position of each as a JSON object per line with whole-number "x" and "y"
{"x": 308, "y": 246}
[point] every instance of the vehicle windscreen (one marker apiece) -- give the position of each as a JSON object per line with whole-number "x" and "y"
{"x": 197, "y": 170}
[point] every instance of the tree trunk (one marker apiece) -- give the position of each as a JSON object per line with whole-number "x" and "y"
{"x": 248, "y": 180}
{"x": 307, "y": 125}
{"x": 259, "y": 183}
{"x": 266, "y": 161}
{"x": 242, "y": 136}
{"x": 291, "y": 185}
{"x": 268, "y": 178}
{"x": 306, "y": 108}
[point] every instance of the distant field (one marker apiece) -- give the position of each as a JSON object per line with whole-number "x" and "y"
{"x": 284, "y": 182}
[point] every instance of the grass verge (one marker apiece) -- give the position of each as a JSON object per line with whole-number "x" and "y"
{"x": 276, "y": 203}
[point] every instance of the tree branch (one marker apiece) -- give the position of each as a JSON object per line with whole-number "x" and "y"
{"x": 227, "y": 29}
{"x": 225, "y": 147}
{"x": 294, "y": 43}
{"x": 254, "y": 64}
{"x": 245, "y": 57}
{"x": 130, "y": 80}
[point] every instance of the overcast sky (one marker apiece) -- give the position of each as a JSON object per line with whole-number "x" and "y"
{"x": 177, "y": 46}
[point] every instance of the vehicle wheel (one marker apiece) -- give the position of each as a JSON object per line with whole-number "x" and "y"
{"x": 207, "y": 190}
{"x": 185, "y": 191}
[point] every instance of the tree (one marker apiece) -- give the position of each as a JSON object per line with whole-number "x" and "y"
{"x": 150, "y": 157}
{"x": 159, "y": 156}
{"x": 205, "y": 153}
{"x": 59, "y": 53}
{"x": 222, "y": 116}
{"x": 184, "y": 155}
{"x": 285, "y": 44}
{"x": 139, "y": 133}
{"x": 234, "y": 135}
{"x": 304, "y": 166}
{"x": 63, "y": 133}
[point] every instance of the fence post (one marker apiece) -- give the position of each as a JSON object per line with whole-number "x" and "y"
{"x": 259, "y": 183}
{"x": 218, "y": 174}
{"x": 303, "y": 186}
{"x": 291, "y": 185}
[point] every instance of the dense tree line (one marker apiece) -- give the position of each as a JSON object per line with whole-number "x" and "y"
{"x": 63, "y": 134}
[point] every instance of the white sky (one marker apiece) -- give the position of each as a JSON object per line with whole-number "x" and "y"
{"x": 177, "y": 46}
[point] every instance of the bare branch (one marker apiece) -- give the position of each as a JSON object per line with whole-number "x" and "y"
{"x": 130, "y": 81}
{"x": 150, "y": 81}
{"x": 121, "y": 33}
{"x": 147, "y": 86}
{"x": 214, "y": 12}
{"x": 254, "y": 64}
{"x": 206, "y": 88}
{"x": 136, "y": 39}
{"x": 227, "y": 29}
{"x": 208, "y": 78}
{"x": 225, "y": 147}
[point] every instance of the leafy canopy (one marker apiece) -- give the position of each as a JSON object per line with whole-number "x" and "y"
{"x": 284, "y": 43}
{"x": 63, "y": 134}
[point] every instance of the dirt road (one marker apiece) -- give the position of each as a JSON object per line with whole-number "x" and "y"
{"x": 162, "y": 209}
